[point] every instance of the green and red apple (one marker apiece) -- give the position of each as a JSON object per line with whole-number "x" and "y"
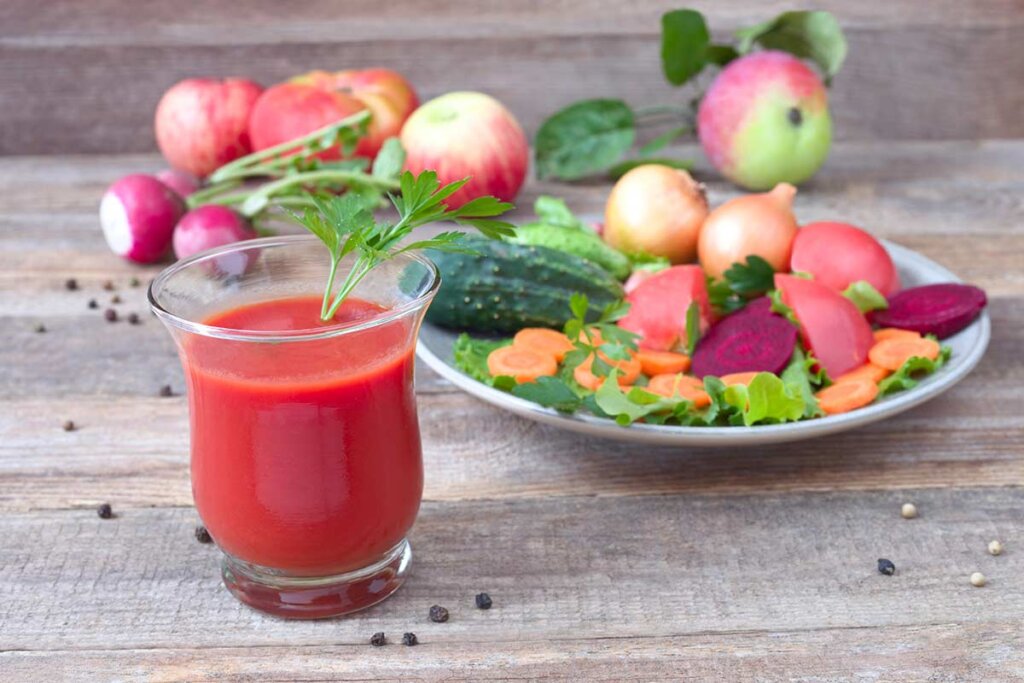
{"x": 765, "y": 120}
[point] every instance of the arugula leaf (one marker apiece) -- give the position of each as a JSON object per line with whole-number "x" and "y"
{"x": 692, "y": 327}
{"x": 909, "y": 374}
{"x": 814, "y": 35}
{"x": 470, "y": 356}
{"x": 623, "y": 167}
{"x": 865, "y": 297}
{"x": 551, "y": 392}
{"x": 765, "y": 400}
{"x": 684, "y": 43}
{"x": 584, "y": 138}
{"x": 800, "y": 381}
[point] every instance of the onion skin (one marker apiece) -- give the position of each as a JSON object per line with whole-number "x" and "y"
{"x": 656, "y": 210}
{"x": 755, "y": 224}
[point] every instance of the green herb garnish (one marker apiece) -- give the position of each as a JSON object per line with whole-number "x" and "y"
{"x": 909, "y": 374}
{"x": 346, "y": 225}
{"x": 741, "y": 282}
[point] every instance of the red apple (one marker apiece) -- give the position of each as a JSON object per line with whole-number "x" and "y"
{"x": 319, "y": 98}
{"x": 202, "y": 124}
{"x": 468, "y": 134}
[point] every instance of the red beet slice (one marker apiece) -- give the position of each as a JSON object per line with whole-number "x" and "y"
{"x": 745, "y": 342}
{"x": 762, "y": 305}
{"x": 942, "y": 310}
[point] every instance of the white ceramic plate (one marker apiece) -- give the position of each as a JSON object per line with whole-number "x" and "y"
{"x": 435, "y": 349}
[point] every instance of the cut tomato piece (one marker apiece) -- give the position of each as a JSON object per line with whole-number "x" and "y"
{"x": 830, "y": 324}
{"x": 839, "y": 254}
{"x": 658, "y": 307}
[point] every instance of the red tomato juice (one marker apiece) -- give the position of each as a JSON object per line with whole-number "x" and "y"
{"x": 305, "y": 454}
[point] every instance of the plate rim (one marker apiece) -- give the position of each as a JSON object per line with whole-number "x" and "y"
{"x": 730, "y": 436}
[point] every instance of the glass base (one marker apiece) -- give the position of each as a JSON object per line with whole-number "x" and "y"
{"x": 319, "y": 597}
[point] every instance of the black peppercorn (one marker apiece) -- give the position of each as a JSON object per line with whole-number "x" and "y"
{"x": 438, "y": 614}
{"x": 105, "y": 511}
{"x": 202, "y": 535}
{"x": 133, "y": 318}
{"x": 40, "y": 328}
{"x": 71, "y": 284}
{"x": 166, "y": 391}
{"x": 93, "y": 303}
{"x": 886, "y": 567}
{"x": 409, "y": 639}
{"x": 116, "y": 299}
{"x": 134, "y": 282}
{"x": 110, "y": 315}
{"x": 69, "y": 426}
{"x": 378, "y": 639}
{"x": 483, "y": 601}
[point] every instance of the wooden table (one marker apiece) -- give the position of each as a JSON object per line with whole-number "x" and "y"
{"x": 605, "y": 561}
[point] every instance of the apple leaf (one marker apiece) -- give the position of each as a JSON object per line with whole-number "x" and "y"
{"x": 584, "y": 138}
{"x": 684, "y": 44}
{"x": 720, "y": 55}
{"x": 814, "y": 35}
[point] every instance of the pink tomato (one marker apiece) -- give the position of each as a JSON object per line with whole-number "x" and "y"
{"x": 839, "y": 254}
{"x": 658, "y": 307}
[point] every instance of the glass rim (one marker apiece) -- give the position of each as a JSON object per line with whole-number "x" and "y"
{"x": 271, "y": 336}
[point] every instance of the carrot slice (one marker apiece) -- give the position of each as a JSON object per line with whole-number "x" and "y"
{"x": 843, "y": 397}
{"x": 629, "y": 370}
{"x": 522, "y": 364}
{"x": 895, "y": 333}
{"x": 892, "y": 353}
{"x": 744, "y": 378}
{"x": 684, "y": 386}
{"x": 868, "y": 371}
{"x": 543, "y": 340}
{"x": 662, "y": 362}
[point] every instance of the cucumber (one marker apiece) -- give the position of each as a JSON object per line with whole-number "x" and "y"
{"x": 506, "y": 287}
{"x": 579, "y": 241}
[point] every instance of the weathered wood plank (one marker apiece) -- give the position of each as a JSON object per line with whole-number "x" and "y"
{"x": 661, "y": 566}
{"x": 962, "y": 652}
{"x": 903, "y": 61}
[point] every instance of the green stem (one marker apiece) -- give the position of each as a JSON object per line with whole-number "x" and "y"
{"x": 661, "y": 110}
{"x": 359, "y": 270}
{"x": 326, "y": 175}
{"x": 229, "y": 170}
{"x": 327, "y": 292}
{"x": 203, "y": 196}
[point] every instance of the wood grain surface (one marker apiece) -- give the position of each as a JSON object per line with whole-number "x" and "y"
{"x": 606, "y": 561}
{"x": 86, "y": 77}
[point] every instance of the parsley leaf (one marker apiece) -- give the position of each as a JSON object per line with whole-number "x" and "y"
{"x": 551, "y": 392}
{"x": 741, "y": 282}
{"x": 470, "y": 356}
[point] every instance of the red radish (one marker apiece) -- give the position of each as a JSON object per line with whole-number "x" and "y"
{"x": 181, "y": 182}
{"x": 760, "y": 224}
{"x": 658, "y": 307}
{"x": 747, "y": 341}
{"x": 830, "y": 324}
{"x": 839, "y": 254}
{"x": 207, "y": 227}
{"x": 942, "y": 310}
{"x": 138, "y": 214}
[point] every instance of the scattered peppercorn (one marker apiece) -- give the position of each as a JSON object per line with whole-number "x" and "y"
{"x": 116, "y": 299}
{"x": 133, "y": 318}
{"x": 995, "y": 548}
{"x": 108, "y": 285}
{"x": 202, "y": 535}
{"x": 978, "y": 579}
{"x": 105, "y": 511}
{"x": 378, "y": 639}
{"x": 93, "y": 303}
{"x": 71, "y": 284}
{"x": 909, "y": 511}
{"x": 69, "y": 426}
{"x": 409, "y": 639}
{"x": 110, "y": 315}
{"x": 483, "y": 600}
{"x": 40, "y": 328}
{"x": 134, "y": 282}
{"x": 438, "y": 614}
{"x": 886, "y": 567}
{"x": 166, "y": 391}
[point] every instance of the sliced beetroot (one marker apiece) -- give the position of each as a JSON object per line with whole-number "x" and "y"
{"x": 759, "y": 306}
{"x": 745, "y": 342}
{"x": 942, "y": 310}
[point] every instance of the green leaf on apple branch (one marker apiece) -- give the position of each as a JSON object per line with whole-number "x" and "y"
{"x": 663, "y": 140}
{"x": 584, "y": 138}
{"x": 814, "y": 35}
{"x": 623, "y": 167}
{"x": 720, "y": 55}
{"x": 865, "y": 297}
{"x": 389, "y": 161}
{"x": 684, "y": 44}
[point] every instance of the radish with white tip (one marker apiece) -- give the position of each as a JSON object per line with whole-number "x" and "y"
{"x": 138, "y": 214}
{"x": 207, "y": 227}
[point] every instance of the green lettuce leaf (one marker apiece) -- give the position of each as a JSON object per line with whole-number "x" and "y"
{"x": 800, "y": 381}
{"x": 766, "y": 400}
{"x": 471, "y": 356}
{"x": 865, "y": 297}
{"x": 551, "y": 392}
{"x": 911, "y": 371}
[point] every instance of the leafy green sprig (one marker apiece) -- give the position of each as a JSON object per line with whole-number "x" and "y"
{"x": 740, "y": 283}
{"x": 601, "y": 335}
{"x": 346, "y": 225}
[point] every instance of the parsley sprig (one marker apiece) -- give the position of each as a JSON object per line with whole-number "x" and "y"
{"x": 601, "y": 335}
{"x": 742, "y": 281}
{"x": 346, "y": 225}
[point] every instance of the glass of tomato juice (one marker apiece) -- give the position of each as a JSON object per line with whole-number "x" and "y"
{"x": 305, "y": 446}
